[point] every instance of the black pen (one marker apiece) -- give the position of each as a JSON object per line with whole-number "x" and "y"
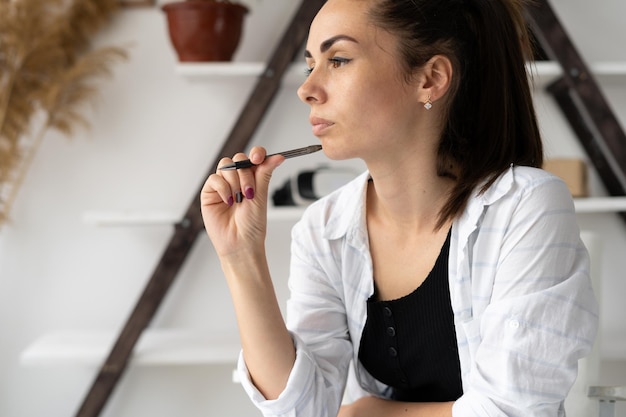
{"x": 287, "y": 154}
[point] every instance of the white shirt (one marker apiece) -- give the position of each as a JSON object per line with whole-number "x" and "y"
{"x": 524, "y": 309}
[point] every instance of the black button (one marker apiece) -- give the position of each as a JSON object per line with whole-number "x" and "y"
{"x": 387, "y": 312}
{"x": 391, "y": 331}
{"x": 393, "y": 352}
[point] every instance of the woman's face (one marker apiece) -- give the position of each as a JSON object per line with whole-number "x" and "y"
{"x": 361, "y": 102}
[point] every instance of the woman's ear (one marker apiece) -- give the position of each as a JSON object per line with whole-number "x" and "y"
{"x": 437, "y": 77}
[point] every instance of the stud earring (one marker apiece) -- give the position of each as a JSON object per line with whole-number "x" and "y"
{"x": 429, "y": 104}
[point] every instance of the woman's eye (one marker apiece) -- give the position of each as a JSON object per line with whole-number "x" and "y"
{"x": 338, "y": 62}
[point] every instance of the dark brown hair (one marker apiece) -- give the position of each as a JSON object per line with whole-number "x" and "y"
{"x": 489, "y": 120}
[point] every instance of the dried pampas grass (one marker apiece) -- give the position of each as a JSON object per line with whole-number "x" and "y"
{"x": 47, "y": 74}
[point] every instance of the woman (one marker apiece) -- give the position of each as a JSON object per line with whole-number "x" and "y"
{"x": 451, "y": 274}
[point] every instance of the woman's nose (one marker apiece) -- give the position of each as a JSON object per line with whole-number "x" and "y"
{"x": 309, "y": 92}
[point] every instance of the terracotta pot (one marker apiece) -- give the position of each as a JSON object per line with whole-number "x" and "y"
{"x": 202, "y": 30}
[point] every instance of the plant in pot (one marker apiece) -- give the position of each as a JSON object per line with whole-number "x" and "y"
{"x": 205, "y": 30}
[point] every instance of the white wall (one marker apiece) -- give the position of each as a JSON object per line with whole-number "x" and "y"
{"x": 154, "y": 135}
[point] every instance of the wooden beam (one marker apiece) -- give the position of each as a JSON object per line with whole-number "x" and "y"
{"x": 562, "y": 94}
{"x": 581, "y": 99}
{"x": 188, "y": 229}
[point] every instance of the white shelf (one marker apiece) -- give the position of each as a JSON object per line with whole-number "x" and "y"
{"x": 287, "y": 214}
{"x": 205, "y": 71}
{"x": 293, "y": 214}
{"x": 154, "y": 347}
{"x": 128, "y": 218}
{"x": 545, "y": 71}
{"x": 600, "y": 204}
{"x": 605, "y": 72}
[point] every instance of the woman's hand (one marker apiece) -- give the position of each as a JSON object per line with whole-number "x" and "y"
{"x": 234, "y": 204}
{"x": 234, "y": 211}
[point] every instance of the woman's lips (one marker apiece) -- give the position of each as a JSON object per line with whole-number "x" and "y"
{"x": 319, "y": 125}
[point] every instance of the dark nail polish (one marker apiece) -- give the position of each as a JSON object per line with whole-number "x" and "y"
{"x": 230, "y": 201}
{"x": 239, "y": 197}
{"x": 249, "y": 193}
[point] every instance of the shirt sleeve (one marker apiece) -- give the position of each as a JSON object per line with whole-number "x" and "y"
{"x": 316, "y": 318}
{"x": 541, "y": 316}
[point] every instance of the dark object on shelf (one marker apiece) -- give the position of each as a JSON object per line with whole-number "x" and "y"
{"x": 205, "y": 30}
{"x": 308, "y": 186}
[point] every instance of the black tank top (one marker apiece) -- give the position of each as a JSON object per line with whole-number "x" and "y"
{"x": 410, "y": 343}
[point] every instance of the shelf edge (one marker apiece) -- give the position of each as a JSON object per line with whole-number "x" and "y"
{"x": 204, "y": 71}
{"x": 600, "y": 205}
{"x": 293, "y": 214}
{"x": 154, "y": 348}
{"x": 128, "y": 218}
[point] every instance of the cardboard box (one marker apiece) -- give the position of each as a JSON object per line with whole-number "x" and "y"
{"x": 573, "y": 171}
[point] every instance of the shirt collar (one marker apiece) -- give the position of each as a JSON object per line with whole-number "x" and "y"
{"x": 469, "y": 220}
{"x": 347, "y": 218}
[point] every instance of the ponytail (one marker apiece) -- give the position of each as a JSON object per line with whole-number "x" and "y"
{"x": 490, "y": 121}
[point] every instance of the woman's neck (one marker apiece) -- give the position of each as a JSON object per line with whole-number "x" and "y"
{"x": 408, "y": 195}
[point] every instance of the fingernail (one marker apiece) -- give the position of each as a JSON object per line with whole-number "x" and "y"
{"x": 249, "y": 193}
{"x": 239, "y": 197}
{"x": 230, "y": 201}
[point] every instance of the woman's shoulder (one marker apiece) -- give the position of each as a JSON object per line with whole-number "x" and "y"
{"x": 531, "y": 176}
{"x": 522, "y": 179}
{"x": 529, "y": 185}
{"x": 531, "y": 180}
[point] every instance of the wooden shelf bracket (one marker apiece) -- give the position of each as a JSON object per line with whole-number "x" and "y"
{"x": 581, "y": 100}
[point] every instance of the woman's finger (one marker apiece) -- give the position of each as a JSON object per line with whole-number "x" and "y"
{"x": 247, "y": 181}
{"x": 244, "y": 189}
{"x": 216, "y": 189}
{"x": 233, "y": 176}
{"x": 264, "y": 170}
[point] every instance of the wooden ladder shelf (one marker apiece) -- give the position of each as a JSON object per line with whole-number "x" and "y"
{"x": 581, "y": 100}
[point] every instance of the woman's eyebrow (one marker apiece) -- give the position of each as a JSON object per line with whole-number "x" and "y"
{"x": 325, "y": 46}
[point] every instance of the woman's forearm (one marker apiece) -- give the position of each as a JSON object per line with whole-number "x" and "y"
{"x": 267, "y": 345}
{"x": 378, "y": 407}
